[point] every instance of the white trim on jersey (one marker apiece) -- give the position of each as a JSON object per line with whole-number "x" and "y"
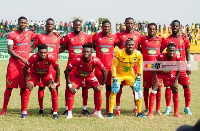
{"x": 10, "y": 42}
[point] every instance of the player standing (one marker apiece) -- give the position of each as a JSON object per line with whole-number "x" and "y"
{"x": 104, "y": 43}
{"x": 122, "y": 70}
{"x": 150, "y": 48}
{"x": 19, "y": 43}
{"x": 73, "y": 43}
{"x": 83, "y": 74}
{"x": 40, "y": 71}
{"x": 183, "y": 49}
{"x": 123, "y": 36}
{"x": 169, "y": 78}
{"x": 53, "y": 42}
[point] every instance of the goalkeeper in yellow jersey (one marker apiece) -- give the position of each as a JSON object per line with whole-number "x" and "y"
{"x": 122, "y": 70}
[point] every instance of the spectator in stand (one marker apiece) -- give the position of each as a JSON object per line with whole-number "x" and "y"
{"x": 117, "y": 27}
{"x": 96, "y": 26}
{"x": 192, "y": 27}
{"x": 1, "y": 26}
{"x": 86, "y": 26}
{"x": 187, "y": 28}
{"x": 66, "y": 26}
{"x": 31, "y": 24}
{"x": 39, "y": 26}
{"x": 1, "y": 34}
{"x": 69, "y": 27}
{"x": 197, "y": 28}
{"x": 93, "y": 28}
{"x": 10, "y": 25}
{"x": 6, "y": 24}
{"x": 61, "y": 25}
{"x": 42, "y": 25}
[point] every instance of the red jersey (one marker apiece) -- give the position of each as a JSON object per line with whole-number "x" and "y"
{"x": 83, "y": 69}
{"x": 124, "y": 36}
{"x": 21, "y": 43}
{"x": 39, "y": 66}
{"x": 151, "y": 47}
{"x": 105, "y": 47}
{"x": 163, "y": 57}
{"x": 181, "y": 43}
{"x": 75, "y": 43}
{"x": 53, "y": 42}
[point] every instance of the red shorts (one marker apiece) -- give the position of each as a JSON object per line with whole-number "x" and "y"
{"x": 38, "y": 80}
{"x": 184, "y": 79}
{"x": 14, "y": 76}
{"x": 84, "y": 82}
{"x": 168, "y": 79}
{"x": 147, "y": 79}
{"x": 99, "y": 76}
{"x": 53, "y": 72}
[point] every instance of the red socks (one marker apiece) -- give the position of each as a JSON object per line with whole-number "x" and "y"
{"x": 70, "y": 101}
{"x": 187, "y": 95}
{"x": 85, "y": 95}
{"x": 40, "y": 97}
{"x": 151, "y": 102}
{"x": 158, "y": 100}
{"x": 98, "y": 100}
{"x": 66, "y": 96}
{"x": 54, "y": 98}
{"x": 146, "y": 98}
{"x": 176, "y": 102}
{"x": 25, "y": 99}
{"x": 168, "y": 94}
{"x": 119, "y": 96}
{"x": 7, "y": 95}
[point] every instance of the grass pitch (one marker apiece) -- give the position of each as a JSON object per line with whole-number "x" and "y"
{"x": 126, "y": 121}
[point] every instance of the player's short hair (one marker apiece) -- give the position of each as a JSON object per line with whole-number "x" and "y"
{"x": 88, "y": 45}
{"x": 129, "y": 18}
{"x": 22, "y": 17}
{"x": 176, "y": 21}
{"x": 106, "y": 21}
{"x": 76, "y": 21}
{"x": 152, "y": 24}
{"x": 50, "y": 19}
{"x": 42, "y": 46}
{"x": 129, "y": 39}
{"x": 171, "y": 44}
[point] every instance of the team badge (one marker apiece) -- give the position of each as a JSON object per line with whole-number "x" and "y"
{"x": 110, "y": 39}
{"x": 157, "y": 41}
{"x": 29, "y": 77}
{"x": 134, "y": 37}
{"x": 144, "y": 83}
{"x": 27, "y": 36}
{"x": 135, "y": 58}
{"x": 46, "y": 63}
{"x": 90, "y": 67}
{"x": 181, "y": 42}
{"x": 10, "y": 82}
{"x": 54, "y": 39}
{"x": 82, "y": 39}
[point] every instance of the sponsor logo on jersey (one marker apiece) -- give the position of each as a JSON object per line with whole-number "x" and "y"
{"x": 10, "y": 82}
{"x": 134, "y": 37}
{"x": 152, "y": 52}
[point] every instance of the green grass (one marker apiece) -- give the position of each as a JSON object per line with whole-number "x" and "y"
{"x": 127, "y": 120}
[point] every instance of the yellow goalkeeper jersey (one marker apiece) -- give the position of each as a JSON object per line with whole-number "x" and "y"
{"x": 123, "y": 63}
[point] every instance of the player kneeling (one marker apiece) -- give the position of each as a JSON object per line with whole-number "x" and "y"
{"x": 83, "y": 74}
{"x": 169, "y": 78}
{"x": 122, "y": 70}
{"x": 39, "y": 64}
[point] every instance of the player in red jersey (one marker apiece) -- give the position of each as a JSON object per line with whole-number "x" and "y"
{"x": 150, "y": 48}
{"x": 168, "y": 76}
{"x": 39, "y": 64}
{"x": 123, "y": 36}
{"x": 104, "y": 43}
{"x": 183, "y": 49}
{"x": 19, "y": 42}
{"x": 53, "y": 42}
{"x": 83, "y": 74}
{"x": 73, "y": 43}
